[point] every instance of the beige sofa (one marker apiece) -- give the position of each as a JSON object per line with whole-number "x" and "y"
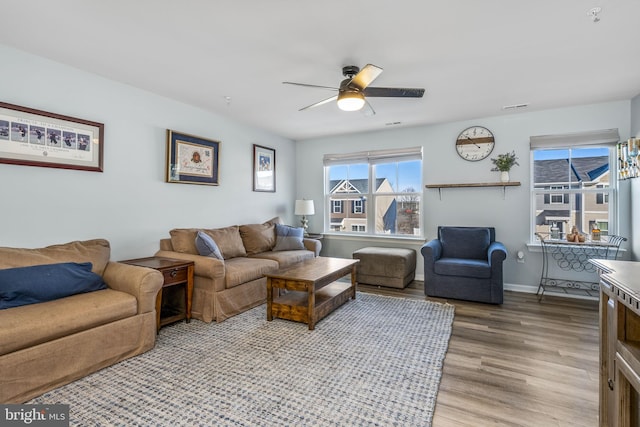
{"x": 224, "y": 288}
{"x": 47, "y": 344}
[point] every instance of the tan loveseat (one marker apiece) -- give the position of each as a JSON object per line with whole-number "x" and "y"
{"x": 224, "y": 288}
{"x": 48, "y": 344}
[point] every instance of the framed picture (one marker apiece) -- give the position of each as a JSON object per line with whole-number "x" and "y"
{"x": 38, "y": 138}
{"x": 264, "y": 169}
{"x": 192, "y": 159}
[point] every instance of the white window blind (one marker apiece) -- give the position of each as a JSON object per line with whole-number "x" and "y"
{"x": 373, "y": 157}
{"x": 597, "y": 137}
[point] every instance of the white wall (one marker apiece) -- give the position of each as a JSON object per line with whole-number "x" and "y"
{"x": 132, "y": 206}
{"x": 466, "y": 206}
{"x": 129, "y": 204}
{"x": 635, "y": 185}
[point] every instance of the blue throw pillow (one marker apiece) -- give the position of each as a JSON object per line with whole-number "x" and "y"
{"x": 288, "y": 238}
{"x": 40, "y": 283}
{"x": 207, "y": 246}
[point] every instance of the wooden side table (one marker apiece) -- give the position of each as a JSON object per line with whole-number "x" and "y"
{"x": 175, "y": 272}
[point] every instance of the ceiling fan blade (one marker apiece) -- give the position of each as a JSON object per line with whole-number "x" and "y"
{"x": 308, "y": 85}
{"x": 365, "y": 77}
{"x": 393, "y": 92}
{"x": 317, "y": 104}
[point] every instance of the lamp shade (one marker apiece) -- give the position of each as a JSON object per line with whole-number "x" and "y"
{"x": 350, "y": 100}
{"x": 304, "y": 207}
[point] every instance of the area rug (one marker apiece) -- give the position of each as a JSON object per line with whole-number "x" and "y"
{"x": 375, "y": 361}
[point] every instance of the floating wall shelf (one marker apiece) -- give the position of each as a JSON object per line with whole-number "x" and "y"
{"x": 504, "y": 186}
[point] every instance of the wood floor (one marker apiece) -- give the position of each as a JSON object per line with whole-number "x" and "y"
{"x": 522, "y": 363}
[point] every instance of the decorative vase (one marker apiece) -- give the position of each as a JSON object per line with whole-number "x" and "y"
{"x": 504, "y": 176}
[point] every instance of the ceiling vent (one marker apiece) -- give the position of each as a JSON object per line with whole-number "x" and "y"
{"x": 516, "y": 106}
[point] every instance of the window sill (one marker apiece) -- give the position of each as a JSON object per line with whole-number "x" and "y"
{"x": 369, "y": 237}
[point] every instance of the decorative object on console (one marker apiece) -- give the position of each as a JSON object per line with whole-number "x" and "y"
{"x": 264, "y": 169}
{"x": 40, "y": 138}
{"x": 475, "y": 143}
{"x": 575, "y": 236}
{"x": 304, "y": 208}
{"x": 191, "y": 159}
{"x": 503, "y": 164}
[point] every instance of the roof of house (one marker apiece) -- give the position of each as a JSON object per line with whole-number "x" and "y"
{"x": 582, "y": 169}
{"x": 360, "y": 185}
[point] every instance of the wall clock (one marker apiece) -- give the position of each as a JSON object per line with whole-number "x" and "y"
{"x": 475, "y": 143}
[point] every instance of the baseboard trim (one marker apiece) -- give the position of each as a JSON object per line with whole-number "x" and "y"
{"x": 534, "y": 289}
{"x": 528, "y": 289}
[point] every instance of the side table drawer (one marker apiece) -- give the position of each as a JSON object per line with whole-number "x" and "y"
{"x": 174, "y": 275}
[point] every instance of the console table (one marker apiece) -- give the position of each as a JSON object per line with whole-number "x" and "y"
{"x": 619, "y": 342}
{"x": 574, "y": 256}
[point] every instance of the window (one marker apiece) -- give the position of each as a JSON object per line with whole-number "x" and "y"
{"x": 556, "y": 198}
{"x": 573, "y": 184}
{"x": 358, "y": 206}
{"x": 602, "y": 198}
{"x": 374, "y": 193}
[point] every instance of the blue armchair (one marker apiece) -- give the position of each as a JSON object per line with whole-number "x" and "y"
{"x": 464, "y": 263}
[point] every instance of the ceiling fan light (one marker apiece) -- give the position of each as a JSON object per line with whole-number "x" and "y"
{"x": 350, "y": 100}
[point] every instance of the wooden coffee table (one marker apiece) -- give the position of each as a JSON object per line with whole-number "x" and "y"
{"x": 312, "y": 290}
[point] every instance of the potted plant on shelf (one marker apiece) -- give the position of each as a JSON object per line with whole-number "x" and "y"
{"x": 503, "y": 164}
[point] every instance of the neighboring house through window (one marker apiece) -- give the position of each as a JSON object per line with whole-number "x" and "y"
{"x": 573, "y": 182}
{"x": 374, "y": 192}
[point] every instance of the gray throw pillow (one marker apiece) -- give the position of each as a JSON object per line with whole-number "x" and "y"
{"x": 207, "y": 246}
{"x": 288, "y": 238}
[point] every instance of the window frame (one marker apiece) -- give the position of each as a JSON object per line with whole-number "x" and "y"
{"x": 364, "y": 203}
{"x": 561, "y": 188}
{"x": 569, "y": 191}
{"x": 358, "y": 206}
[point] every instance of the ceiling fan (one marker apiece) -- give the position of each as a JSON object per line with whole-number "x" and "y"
{"x": 354, "y": 89}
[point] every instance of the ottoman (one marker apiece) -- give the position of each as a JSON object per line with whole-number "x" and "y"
{"x": 392, "y": 267}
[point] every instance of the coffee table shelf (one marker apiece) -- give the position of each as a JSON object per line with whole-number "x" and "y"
{"x": 294, "y": 305}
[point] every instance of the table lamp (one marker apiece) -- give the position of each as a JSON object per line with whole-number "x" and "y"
{"x": 304, "y": 208}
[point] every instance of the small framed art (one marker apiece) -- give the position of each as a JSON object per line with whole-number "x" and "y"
{"x": 264, "y": 169}
{"x": 192, "y": 159}
{"x": 38, "y": 138}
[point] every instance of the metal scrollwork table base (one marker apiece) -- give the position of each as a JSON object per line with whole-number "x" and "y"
{"x": 574, "y": 256}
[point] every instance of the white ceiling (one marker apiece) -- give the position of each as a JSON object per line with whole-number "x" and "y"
{"x": 472, "y": 57}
